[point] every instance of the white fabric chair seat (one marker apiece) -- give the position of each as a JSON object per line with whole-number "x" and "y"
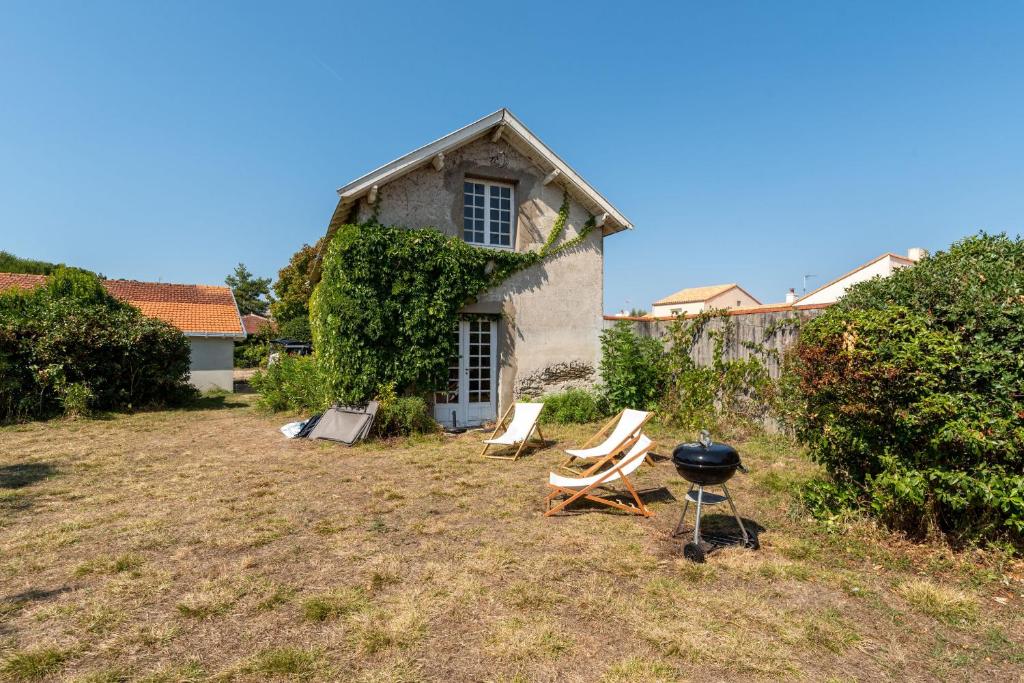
{"x": 523, "y": 422}
{"x": 629, "y": 425}
{"x": 633, "y": 459}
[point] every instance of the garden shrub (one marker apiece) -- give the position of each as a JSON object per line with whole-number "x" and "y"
{"x": 912, "y": 394}
{"x": 402, "y": 415}
{"x": 71, "y": 346}
{"x": 633, "y": 368}
{"x": 573, "y": 406}
{"x": 255, "y": 350}
{"x": 293, "y": 383}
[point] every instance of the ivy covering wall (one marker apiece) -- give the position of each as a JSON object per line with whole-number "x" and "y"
{"x": 389, "y": 297}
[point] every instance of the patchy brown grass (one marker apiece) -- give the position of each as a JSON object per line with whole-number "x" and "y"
{"x": 201, "y": 545}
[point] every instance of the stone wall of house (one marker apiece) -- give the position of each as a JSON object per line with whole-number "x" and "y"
{"x": 551, "y": 313}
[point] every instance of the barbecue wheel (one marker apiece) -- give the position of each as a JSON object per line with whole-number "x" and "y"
{"x": 694, "y": 553}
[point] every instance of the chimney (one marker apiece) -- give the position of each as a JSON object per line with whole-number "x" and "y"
{"x": 791, "y": 296}
{"x": 915, "y": 254}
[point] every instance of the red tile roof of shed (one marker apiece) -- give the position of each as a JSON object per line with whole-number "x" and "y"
{"x": 254, "y": 323}
{"x": 196, "y": 309}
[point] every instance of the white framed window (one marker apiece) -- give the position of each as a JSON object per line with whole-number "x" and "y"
{"x": 487, "y": 213}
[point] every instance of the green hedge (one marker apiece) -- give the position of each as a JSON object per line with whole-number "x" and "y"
{"x": 293, "y": 383}
{"x": 633, "y": 368}
{"x": 71, "y": 347}
{"x": 573, "y": 406}
{"x": 912, "y": 393}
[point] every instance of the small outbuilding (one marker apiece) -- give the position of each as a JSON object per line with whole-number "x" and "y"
{"x": 206, "y": 314}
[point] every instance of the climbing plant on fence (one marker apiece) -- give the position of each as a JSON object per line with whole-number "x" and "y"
{"x": 728, "y": 393}
{"x": 388, "y": 298}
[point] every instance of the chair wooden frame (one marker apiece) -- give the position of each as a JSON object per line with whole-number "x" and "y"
{"x": 503, "y": 424}
{"x": 575, "y": 494}
{"x": 629, "y": 440}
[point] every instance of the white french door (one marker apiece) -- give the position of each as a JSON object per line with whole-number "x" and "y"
{"x": 470, "y": 398}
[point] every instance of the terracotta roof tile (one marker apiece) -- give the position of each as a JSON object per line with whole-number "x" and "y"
{"x": 200, "y": 309}
{"x": 21, "y": 280}
{"x": 254, "y": 323}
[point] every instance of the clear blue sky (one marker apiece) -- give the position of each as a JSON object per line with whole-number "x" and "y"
{"x": 751, "y": 142}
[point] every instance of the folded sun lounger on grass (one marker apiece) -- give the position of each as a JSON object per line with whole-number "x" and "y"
{"x": 344, "y": 424}
{"x": 519, "y": 431}
{"x": 575, "y": 488}
{"x": 628, "y": 424}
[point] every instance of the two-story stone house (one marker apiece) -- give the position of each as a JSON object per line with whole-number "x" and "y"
{"x": 494, "y": 184}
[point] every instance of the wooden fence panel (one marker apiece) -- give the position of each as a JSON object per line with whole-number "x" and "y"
{"x": 774, "y": 332}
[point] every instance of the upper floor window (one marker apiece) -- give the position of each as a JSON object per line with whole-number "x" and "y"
{"x": 487, "y": 213}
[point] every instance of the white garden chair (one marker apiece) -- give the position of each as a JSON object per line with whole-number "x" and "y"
{"x": 575, "y": 488}
{"x": 628, "y": 424}
{"x": 518, "y": 433}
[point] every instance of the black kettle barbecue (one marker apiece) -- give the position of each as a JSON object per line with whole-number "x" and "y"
{"x": 706, "y": 463}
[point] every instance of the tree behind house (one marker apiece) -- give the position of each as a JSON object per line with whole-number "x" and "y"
{"x": 251, "y": 292}
{"x": 293, "y": 288}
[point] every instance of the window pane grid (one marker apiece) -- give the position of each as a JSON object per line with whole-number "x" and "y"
{"x": 479, "y": 362}
{"x": 487, "y": 214}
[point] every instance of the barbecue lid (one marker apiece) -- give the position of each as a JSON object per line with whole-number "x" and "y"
{"x": 706, "y": 453}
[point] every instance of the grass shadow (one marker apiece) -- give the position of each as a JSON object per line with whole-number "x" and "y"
{"x": 23, "y": 474}
{"x": 12, "y": 603}
{"x": 214, "y": 401}
{"x": 720, "y": 531}
{"x": 649, "y": 496}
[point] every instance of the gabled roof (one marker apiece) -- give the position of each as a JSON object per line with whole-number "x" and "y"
{"x": 196, "y": 310}
{"x": 692, "y": 295}
{"x": 513, "y": 130}
{"x": 896, "y": 257}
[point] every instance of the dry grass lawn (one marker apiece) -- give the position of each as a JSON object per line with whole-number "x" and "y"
{"x": 201, "y": 545}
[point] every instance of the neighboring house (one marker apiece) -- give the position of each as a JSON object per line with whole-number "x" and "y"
{"x": 883, "y": 266}
{"x": 253, "y": 323}
{"x": 697, "y": 299}
{"x": 207, "y": 315}
{"x": 496, "y": 185}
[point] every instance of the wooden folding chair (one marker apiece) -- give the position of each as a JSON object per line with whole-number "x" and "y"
{"x": 518, "y": 433}
{"x": 576, "y": 488}
{"x": 628, "y": 424}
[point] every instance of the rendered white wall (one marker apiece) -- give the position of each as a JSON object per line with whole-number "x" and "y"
{"x": 829, "y": 295}
{"x": 675, "y": 309}
{"x": 212, "y": 363}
